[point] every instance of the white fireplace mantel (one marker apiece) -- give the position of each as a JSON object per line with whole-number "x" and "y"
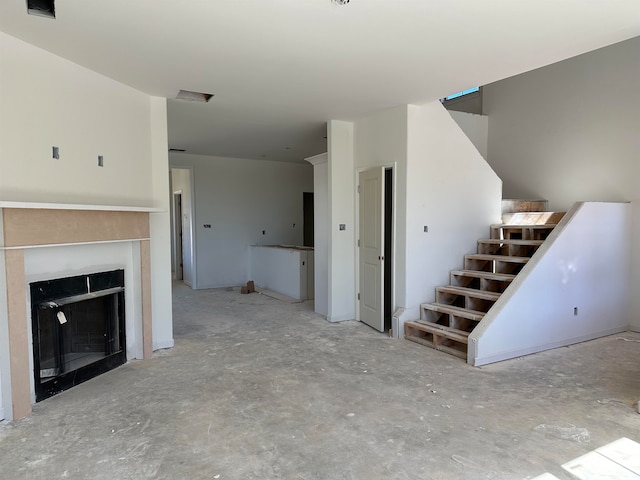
{"x": 71, "y": 206}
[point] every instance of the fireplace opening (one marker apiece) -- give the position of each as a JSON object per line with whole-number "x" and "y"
{"x": 78, "y": 326}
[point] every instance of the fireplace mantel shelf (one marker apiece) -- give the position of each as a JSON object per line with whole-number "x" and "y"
{"x": 70, "y": 206}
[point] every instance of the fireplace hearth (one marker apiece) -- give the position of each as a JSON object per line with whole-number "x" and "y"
{"x": 78, "y": 326}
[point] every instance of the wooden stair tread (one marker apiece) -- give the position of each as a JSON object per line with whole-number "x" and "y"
{"x": 499, "y": 258}
{"x": 439, "y": 334}
{"x": 440, "y": 330}
{"x": 471, "y": 292}
{"x": 499, "y": 241}
{"x": 532, "y": 218}
{"x": 515, "y": 225}
{"x": 501, "y": 277}
{"x": 461, "y": 334}
{"x": 458, "y": 311}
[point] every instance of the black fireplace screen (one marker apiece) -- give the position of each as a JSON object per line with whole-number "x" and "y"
{"x": 78, "y": 329}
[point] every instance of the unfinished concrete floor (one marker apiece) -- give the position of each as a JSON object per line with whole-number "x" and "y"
{"x": 257, "y": 388}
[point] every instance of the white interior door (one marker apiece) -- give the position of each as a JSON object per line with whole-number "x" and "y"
{"x": 371, "y": 247}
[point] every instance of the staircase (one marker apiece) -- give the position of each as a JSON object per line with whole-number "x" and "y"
{"x": 446, "y": 324}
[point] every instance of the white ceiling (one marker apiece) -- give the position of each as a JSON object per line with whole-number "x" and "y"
{"x": 280, "y": 69}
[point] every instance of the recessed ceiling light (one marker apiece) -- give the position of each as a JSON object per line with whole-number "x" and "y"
{"x": 194, "y": 96}
{"x": 42, "y": 8}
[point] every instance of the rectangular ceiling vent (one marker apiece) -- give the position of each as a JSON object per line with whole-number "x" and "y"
{"x": 177, "y": 150}
{"x": 194, "y": 96}
{"x": 42, "y": 8}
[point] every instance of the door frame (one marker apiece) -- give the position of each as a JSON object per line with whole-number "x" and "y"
{"x": 178, "y": 236}
{"x": 192, "y": 222}
{"x": 393, "y": 167}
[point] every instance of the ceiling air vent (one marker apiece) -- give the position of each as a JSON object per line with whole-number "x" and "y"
{"x": 194, "y": 96}
{"x": 177, "y": 150}
{"x": 42, "y": 8}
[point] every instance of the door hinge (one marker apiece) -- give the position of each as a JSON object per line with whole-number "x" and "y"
{"x": 358, "y": 296}
{"x": 358, "y": 188}
{"x": 358, "y": 242}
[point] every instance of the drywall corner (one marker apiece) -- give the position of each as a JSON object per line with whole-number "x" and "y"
{"x": 341, "y": 251}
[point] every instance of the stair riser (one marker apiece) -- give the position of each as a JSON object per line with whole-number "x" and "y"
{"x": 448, "y": 320}
{"x": 483, "y": 284}
{"x": 494, "y": 266}
{"x": 507, "y": 250}
{"x": 440, "y": 340}
{"x": 463, "y": 301}
{"x": 521, "y": 233}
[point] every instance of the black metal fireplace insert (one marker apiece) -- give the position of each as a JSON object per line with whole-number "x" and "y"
{"x": 78, "y": 329}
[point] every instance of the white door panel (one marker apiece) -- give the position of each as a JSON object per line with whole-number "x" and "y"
{"x": 371, "y": 251}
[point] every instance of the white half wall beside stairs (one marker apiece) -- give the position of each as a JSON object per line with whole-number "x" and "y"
{"x": 575, "y": 289}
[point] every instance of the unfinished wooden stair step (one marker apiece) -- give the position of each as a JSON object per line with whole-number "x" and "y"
{"x": 498, "y": 277}
{"x": 469, "y": 292}
{"x": 494, "y": 263}
{"x": 480, "y": 280}
{"x": 507, "y": 241}
{"x": 510, "y": 226}
{"x": 509, "y": 247}
{"x": 439, "y": 337}
{"x": 474, "y": 315}
{"x": 496, "y": 258}
{"x": 532, "y": 218}
{"x": 453, "y": 333}
{"x": 515, "y": 231}
{"x": 518, "y": 205}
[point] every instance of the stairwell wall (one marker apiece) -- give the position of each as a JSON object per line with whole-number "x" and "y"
{"x": 453, "y": 192}
{"x": 568, "y": 132}
{"x": 574, "y": 289}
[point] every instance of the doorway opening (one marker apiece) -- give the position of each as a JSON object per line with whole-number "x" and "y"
{"x": 375, "y": 247}
{"x": 183, "y": 255}
{"x": 388, "y": 251}
{"x": 307, "y": 219}
{"x": 178, "y": 261}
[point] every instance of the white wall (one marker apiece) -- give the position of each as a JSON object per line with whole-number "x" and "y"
{"x": 450, "y": 189}
{"x": 47, "y": 101}
{"x": 5, "y": 365}
{"x": 381, "y": 140}
{"x": 569, "y": 132}
{"x": 441, "y": 181}
{"x": 476, "y": 127}
{"x": 321, "y": 232}
{"x": 160, "y": 228}
{"x": 584, "y": 264}
{"x": 341, "y": 271}
{"x": 240, "y": 198}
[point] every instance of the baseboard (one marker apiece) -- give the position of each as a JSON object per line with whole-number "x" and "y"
{"x": 508, "y": 355}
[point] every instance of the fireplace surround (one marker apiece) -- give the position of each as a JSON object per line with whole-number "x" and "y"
{"x": 78, "y": 329}
{"x": 44, "y": 242}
